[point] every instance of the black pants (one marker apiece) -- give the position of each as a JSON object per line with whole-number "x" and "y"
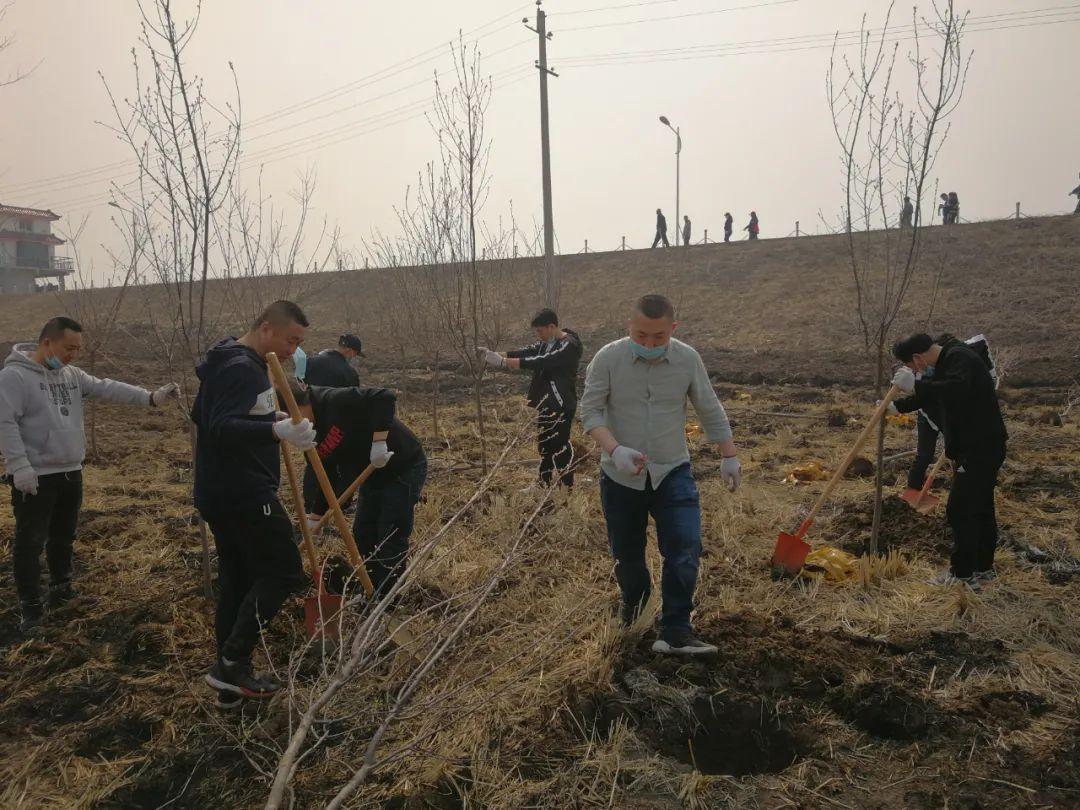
{"x": 686, "y": 238}
{"x": 553, "y": 441}
{"x": 727, "y": 236}
{"x": 971, "y": 514}
{"x": 46, "y": 521}
{"x": 384, "y": 523}
{"x": 925, "y": 451}
{"x": 258, "y": 568}
{"x": 661, "y": 236}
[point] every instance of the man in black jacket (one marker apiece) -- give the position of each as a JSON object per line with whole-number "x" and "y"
{"x": 553, "y": 360}
{"x": 661, "y": 229}
{"x": 961, "y": 390}
{"x": 356, "y": 427}
{"x": 237, "y": 475}
{"x": 332, "y": 367}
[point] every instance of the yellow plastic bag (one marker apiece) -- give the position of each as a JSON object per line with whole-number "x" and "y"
{"x": 904, "y": 420}
{"x": 805, "y": 473}
{"x": 832, "y": 563}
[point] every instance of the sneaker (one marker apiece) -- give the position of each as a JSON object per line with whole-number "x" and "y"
{"x": 30, "y": 621}
{"x": 228, "y": 700}
{"x": 985, "y": 576}
{"x": 946, "y": 579}
{"x": 684, "y": 643}
{"x": 239, "y": 678}
{"x": 61, "y": 594}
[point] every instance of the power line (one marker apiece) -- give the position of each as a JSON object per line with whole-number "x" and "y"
{"x": 685, "y": 16}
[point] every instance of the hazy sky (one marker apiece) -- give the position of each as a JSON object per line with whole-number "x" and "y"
{"x": 756, "y": 128}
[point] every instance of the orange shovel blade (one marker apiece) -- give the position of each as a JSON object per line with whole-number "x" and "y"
{"x": 321, "y": 615}
{"x": 923, "y": 506}
{"x": 790, "y": 553}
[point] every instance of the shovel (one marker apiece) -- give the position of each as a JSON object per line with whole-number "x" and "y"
{"x": 344, "y": 499}
{"x": 920, "y": 499}
{"x": 791, "y": 550}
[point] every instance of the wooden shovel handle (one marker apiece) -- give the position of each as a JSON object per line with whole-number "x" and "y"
{"x": 929, "y": 480}
{"x": 298, "y": 502}
{"x": 277, "y": 373}
{"x": 344, "y": 499}
{"x": 850, "y": 457}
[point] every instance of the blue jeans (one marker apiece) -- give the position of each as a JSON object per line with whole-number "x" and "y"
{"x": 384, "y": 522}
{"x": 676, "y": 509}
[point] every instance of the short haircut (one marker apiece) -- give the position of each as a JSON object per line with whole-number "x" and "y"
{"x": 545, "y": 317}
{"x": 300, "y": 392}
{"x": 904, "y": 350}
{"x": 281, "y": 313}
{"x": 655, "y": 306}
{"x": 54, "y": 328}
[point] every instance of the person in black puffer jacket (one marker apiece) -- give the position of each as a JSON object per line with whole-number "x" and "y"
{"x": 554, "y": 361}
{"x": 962, "y": 390}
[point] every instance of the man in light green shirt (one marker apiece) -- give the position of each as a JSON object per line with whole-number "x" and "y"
{"x": 634, "y": 406}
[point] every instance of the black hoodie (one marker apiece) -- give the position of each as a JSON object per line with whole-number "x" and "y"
{"x": 554, "y": 368}
{"x": 961, "y": 392}
{"x": 237, "y": 457}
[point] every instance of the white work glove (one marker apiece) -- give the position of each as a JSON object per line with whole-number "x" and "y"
{"x": 891, "y": 409}
{"x": 301, "y": 434}
{"x": 26, "y": 480}
{"x": 493, "y": 359}
{"x": 313, "y": 522}
{"x": 380, "y": 455}
{"x": 731, "y": 472}
{"x": 164, "y": 394}
{"x": 904, "y": 379}
{"x": 628, "y": 461}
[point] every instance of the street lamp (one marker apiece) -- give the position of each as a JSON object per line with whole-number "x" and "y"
{"x": 678, "y": 151}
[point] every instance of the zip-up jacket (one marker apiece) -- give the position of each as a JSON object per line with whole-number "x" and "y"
{"x": 555, "y": 368}
{"x": 237, "y": 457}
{"x": 331, "y": 368}
{"x": 345, "y": 418}
{"x": 41, "y": 412}
{"x": 962, "y": 391}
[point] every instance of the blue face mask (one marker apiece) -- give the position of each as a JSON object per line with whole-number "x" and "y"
{"x": 645, "y": 353}
{"x": 299, "y": 360}
{"x": 929, "y": 372}
{"x": 53, "y": 362}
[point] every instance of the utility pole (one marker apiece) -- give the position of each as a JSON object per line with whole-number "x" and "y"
{"x": 678, "y": 151}
{"x": 550, "y": 287}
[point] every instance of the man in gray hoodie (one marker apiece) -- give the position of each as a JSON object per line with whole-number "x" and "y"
{"x": 43, "y": 444}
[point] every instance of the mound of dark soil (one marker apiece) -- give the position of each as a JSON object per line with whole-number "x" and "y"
{"x": 886, "y": 710}
{"x": 902, "y": 529}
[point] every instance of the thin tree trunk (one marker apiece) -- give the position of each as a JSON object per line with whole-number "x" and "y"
{"x": 879, "y": 467}
{"x": 204, "y": 536}
{"x": 435, "y": 397}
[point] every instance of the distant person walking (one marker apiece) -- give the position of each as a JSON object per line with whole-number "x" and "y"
{"x": 753, "y": 229}
{"x": 729, "y": 225}
{"x": 943, "y": 209}
{"x": 954, "y": 208}
{"x": 906, "y": 213}
{"x": 686, "y": 231}
{"x": 1076, "y": 193}
{"x": 661, "y": 229}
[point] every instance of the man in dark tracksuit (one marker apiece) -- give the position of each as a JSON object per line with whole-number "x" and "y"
{"x": 729, "y": 224}
{"x": 331, "y": 368}
{"x": 553, "y": 360}
{"x": 356, "y": 427}
{"x": 962, "y": 391}
{"x": 237, "y": 474}
{"x": 661, "y": 229}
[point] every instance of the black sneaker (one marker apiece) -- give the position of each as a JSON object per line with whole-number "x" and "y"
{"x": 682, "y": 643}
{"x": 228, "y": 700}
{"x": 31, "y": 617}
{"x": 240, "y": 679}
{"x": 60, "y": 595}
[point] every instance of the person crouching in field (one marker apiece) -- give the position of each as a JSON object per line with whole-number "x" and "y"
{"x": 634, "y": 406}
{"x": 356, "y": 427}
{"x": 553, "y": 359}
{"x": 237, "y": 475}
{"x": 961, "y": 391}
{"x": 43, "y": 444}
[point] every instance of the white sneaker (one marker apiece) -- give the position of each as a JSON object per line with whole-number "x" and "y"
{"x": 684, "y": 643}
{"x": 945, "y": 578}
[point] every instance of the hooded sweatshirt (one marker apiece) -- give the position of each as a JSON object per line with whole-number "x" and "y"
{"x": 41, "y": 411}
{"x": 236, "y": 452}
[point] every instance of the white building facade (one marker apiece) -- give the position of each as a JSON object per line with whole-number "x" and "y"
{"x": 28, "y": 260}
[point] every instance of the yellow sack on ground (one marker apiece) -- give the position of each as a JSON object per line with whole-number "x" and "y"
{"x": 904, "y": 420}
{"x": 805, "y": 473}
{"x": 832, "y": 563}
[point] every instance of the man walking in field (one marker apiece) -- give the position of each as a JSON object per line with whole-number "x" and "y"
{"x": 237, "y": 475}
{"x": 553, "y": 359}
{"x": 356, "y": 427}
{"x": 686, "y": 231}
{"x": 907, "y": 213}
{"x": 661, "y": 229}
{"x": 729, "y": 226}
{"x": 1076, "y": 192}
{"x": 634, "y": 406}
{"x": 333, "y": 368}
{"x": 961, "y": 392}
{"x": 43, "y": 444}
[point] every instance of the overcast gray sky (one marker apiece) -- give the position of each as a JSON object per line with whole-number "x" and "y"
{"x": 756, "y": 128}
